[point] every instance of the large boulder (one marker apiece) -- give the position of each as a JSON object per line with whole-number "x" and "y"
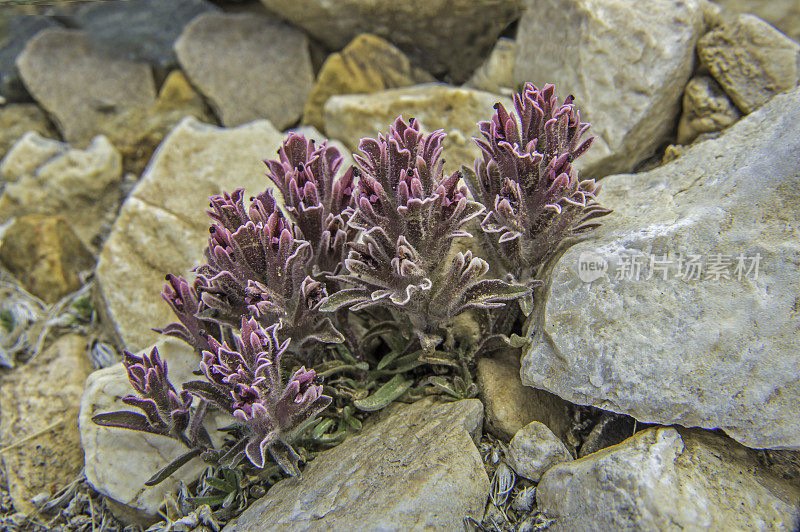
{"x": 625, "y": 62}
{"x": 418, "y": 469}
{"x": 684, "y": 307}
{"x": 443, "y": 36}
{"x": 666, "y": 479}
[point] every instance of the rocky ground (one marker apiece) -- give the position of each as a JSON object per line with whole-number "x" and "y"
{"x": 659, "y": 390}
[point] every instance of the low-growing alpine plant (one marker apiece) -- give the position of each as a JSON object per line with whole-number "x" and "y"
{"x": 358, "y": 257}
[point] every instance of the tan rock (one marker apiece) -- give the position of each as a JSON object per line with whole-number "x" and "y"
{"x": 45, "y": 176}
{"x": 45, "y": 255}
{"x": 17, "y": 119}
{"x": 751, "y": 60}
{"x": 42, "y": 398}
{"x": 783, "y": 14}
{"x": 368, "y": 64}
{"x": 706, "y": 108}
{"x": 510, "y": 405}
{"x": 435, "y": 105}
{"x": 163, "y": 226}
{"x": 496, "y": 74}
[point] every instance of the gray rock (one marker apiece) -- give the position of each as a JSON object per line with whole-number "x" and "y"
{"x": 435, "y": 105}
{"x": 510, "y": 405}
{"x": 248, "y": 66}
{"x": 418, "y": 469}
{"x": 663, "y": 479}
{"x": 163, "y": 227}
{"x": 714, "y": 352}
{"x": 79, "y": 87}
{"x": 625, "y": 62}
{"x": 751, "y": 60}
{"x": 706, "y": 109}
{"x": 15, "y": 32}
{"x": 139, "y": 30}
{"x": 118, "y": 461}
{"x": 783, "y": 14}
{"x": 443, "y": 36}
{"x": 496, "y": 74}
{"x": 534, "y": 449}
{"x": 45, "y": 176}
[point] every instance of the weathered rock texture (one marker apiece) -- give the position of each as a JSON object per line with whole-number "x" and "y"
{"x": 15, "y": 32}
{"x": 45, "y": 176}
{"x": 496, "y": 74}
{"x": 626, "y": 63}
{"x": 249, "y": 67}
{"x": 706, "y": 109}
{"x": 534, "y": 449}
{"x": 43, "y": 393}
{"x": 163, "y": 227}
{"x": 783, "y": 14}
{"x": 418, "y": 469}
{"x": 663, "y": 479}
{"x": 79, "y": 86}
{"x": 718, "y": 351}
{"x": 368, "y": 64}
{"x": 751, "y": 60}
{"x": 435, "y": 105}
{"x": 17, "y": 119}
{"x": 443, "y": 36}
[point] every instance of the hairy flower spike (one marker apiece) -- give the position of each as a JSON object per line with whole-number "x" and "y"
{"x": 257, "y": 265}
{"x": 319, "y": 203}
{"x": 246, "y": 381}
{"x": 184, "y": 300}
{"x": 409, "y": 214}
{"x": 527, "y": 180}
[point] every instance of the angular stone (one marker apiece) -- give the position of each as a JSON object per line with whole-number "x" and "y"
{"x": 119, "y": 461}
{"x": 163, "y": 227}
{"x": 442, "y": 36}
{"x": 368, "y": 64}
{"x": 45, "y": 255}
{"x": 42, "y": 398}
{"x": 139, "y": 30}
{"x": 249, "y": 66}
{"x": 751, "y": 60}
{"x": 706, "y": 109}
{"x": 626, "y": 63}
{"x": 610, "y": 430}
{"x": 435, "y": 105}
{"x": 534, "y": 449}
{"x": 509, "y": 405}
{"x": 80, "y": 87}
{"x": 496, "y": 74}
{"x": 45, "y": 176}
{"x": 418, "y": 469}
{"x": 17, "y": 119}
{"x": 665, "y": 479}
{"x": 783, "y": 14}
{"x": 15, "y": 32}
{"x": 713, "y": 352}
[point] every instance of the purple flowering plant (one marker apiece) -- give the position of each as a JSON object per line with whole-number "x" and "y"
{"x": 357, "y": 272}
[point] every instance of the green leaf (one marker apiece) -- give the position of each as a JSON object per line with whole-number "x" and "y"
{"x": 220, "y": 485}
{"x": 342, "y": 298}
{"x": 350, "y": 419}
{"x": 384, "y": 327}
{"x": 322, "y": 428}
{"x": 517, "y": 341}
{"x": 526, "y": 304}
{"x": 172, "y": 467}
{"x": 384, "y": 396}
{"x": 345, "y": 353}
{"x": 125, "y": 419}
{"x": 387, "y": 359}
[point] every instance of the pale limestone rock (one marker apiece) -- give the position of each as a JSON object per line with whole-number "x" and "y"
{"x": 44, "y": 392}
{"x": 368, "y": 64}
{"x": 18, "y": 119}
{"x": 418, "y": 469}
{"x": 625, "y": 62}
{"x": 713, "y": 352}
{"x": 751, "y": 60}
{"x": 496, "y": 74}
{"x": 783, "y": 14}
{"x": 534, "y": 449}
{"x": 80, "y": 87}
{"x": 163, "y": 227}
{"x": 706, "y": 109}
{"x": 663, "y": 479}
{"x": 45, "y": 176}
{"x": 435, "y": 105}
{"x": 249, "y": 66}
